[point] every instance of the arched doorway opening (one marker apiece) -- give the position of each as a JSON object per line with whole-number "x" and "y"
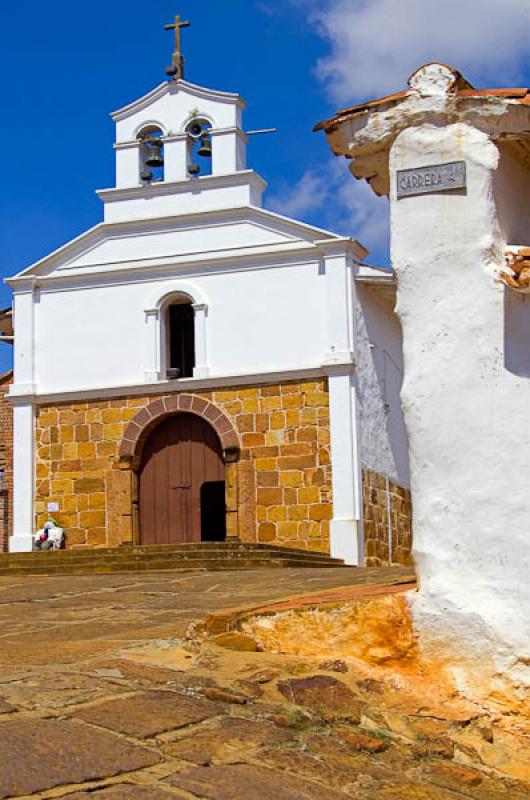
{"x": 182, "y": 483}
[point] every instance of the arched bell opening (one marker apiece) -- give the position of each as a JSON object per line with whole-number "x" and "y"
{"x": 199, "y": 147}
{"x": 151, "y": 154}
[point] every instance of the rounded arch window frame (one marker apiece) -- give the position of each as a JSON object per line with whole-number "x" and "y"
{"x": 157, "y": 314}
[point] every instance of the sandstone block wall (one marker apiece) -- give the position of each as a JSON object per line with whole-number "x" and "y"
{"x": 6, "y": 460}
{"x": 282, "y": 490}
{"x": 387, "y": 517}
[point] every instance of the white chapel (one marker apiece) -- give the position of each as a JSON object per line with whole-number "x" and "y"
{"x": 196, "y": 367}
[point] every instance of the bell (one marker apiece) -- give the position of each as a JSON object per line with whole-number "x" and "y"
{"x": 154, "y": 154}
{"x": 205, "y": 149}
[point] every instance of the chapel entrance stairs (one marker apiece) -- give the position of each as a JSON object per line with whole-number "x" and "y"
{"x": 200, "y": 556}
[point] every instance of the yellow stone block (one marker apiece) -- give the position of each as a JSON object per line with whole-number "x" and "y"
{"x": 56, "y": 452}
{"x": 106, "y": 448}
{"x": 323, "y": 436}
{"x": 82, "y": 502}
{"x": 261, "y": 513}
{"x": 42, "y": 470}
{"x": 250, "y": 406}
{"x": 62, "y": 486}
{"x": 243, "y": 394}
{"x": 225, "y": 397}
{"x": 292, "y": 478}
{"x": 233, "y": 408}
{"x": 96, "y": 432}
{"x": 309, "y": 495}
{"x": 290, "y": 388}
{"x": 292, "y": 401}
{"x": 287, "y": 530}
{"x": 292, "y": 419}
{"x": 92, "y": 519}
{"x": 262, "y": 464}
{"x": 312, "y": 386}
{"x": 316, "y": 399}
{"x": 70, "y": 451}
{"x": 93, "y": 415}
{"x": 66, "y": 433}
{"x": 275, "y": 437}
{"x": 308, "y": 416}
{"x": 113, "y": 431}
{"x": 86, "y": 450}
{"x": 297, "y": 512}
{"x": 96, "y": 537}
{"x": 277, "y": 420}
{"x": 321, "y": 511}
{"x": 112, "y": 415}
{"x": 96, "y": 501}
{"x": 65, "y": 520}
{"x": 271, "y": 403}
{"x": 70, "y": 502}
{"x": 128, "y": 413}
{"x": 277, "y": 514}
{"x": 309, "y": 530}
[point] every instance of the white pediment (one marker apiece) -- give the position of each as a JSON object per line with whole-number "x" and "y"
{"x": 179, "y": 241}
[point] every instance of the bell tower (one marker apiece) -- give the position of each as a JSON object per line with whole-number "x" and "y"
{"x": 180, "y": 148}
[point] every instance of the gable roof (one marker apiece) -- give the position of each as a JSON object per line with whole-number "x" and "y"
{"x": 257, "y": 233}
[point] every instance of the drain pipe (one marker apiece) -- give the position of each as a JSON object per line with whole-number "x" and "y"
{"x": 389, "y": 519}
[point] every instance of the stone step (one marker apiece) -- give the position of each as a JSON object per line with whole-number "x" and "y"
{"x": 162, "y": 565}
{"x": 194, "y": 556}
{"x": 206, "y": 550}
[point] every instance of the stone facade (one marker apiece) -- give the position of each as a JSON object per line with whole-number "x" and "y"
{"x": 279, "y": 487}
{"x": 6, "y": 461}
{"x": 387, "y": 519}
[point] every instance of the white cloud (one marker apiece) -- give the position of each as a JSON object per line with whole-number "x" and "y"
{"x": 328, "y": 196}
{"x": 376, "y": 44}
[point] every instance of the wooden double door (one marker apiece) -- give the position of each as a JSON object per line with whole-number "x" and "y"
{"x": 182, "y": 483}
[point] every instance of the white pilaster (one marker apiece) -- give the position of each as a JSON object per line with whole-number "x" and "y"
{"x": 338, "y": 268}
{"x": 228, "y": 151}
{"x": 201, "y": 369}
{"x": 23, "y": 477}
{"x": 24, "y": 355}
{"x": 176, "y": 158}
{"x": 127, "y": 164}
{"x": 152, "y": 340}
{"x": 346, "y": 530}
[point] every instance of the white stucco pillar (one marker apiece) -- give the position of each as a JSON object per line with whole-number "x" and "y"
{"x": 201, "y": 369}
{"x": 176, "y": 157}
{"x": 228, "y": 150}
{"x": 346, "y": 532}
{"x": 152, "y": 345}
{"x": 338, "y": 269}
{"x": 23, "y": 477}
{"x": 127, "y": 164}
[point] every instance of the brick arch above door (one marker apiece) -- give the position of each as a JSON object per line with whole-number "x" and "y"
{"x": 148, "y": 418}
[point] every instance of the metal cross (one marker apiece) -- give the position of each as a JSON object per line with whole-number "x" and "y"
{"x": 176, "y": 69}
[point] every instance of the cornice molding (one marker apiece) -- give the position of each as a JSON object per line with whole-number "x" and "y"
{"x": 148, "y": 190}
{"x": 172, "y": 87}
{"x": 181, "y": 385}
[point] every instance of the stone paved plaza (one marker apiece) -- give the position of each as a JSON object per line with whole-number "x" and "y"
{"x": 102, "y": 696}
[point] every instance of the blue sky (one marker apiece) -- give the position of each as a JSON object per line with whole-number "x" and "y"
{"x": 66, "y": 66}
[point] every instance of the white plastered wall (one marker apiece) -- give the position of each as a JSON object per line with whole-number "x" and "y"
{"x": 379, "y": 371}
{"x": 466, "y": 413}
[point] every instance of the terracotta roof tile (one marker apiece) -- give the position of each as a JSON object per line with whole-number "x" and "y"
{"x": 522, "y": 95}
